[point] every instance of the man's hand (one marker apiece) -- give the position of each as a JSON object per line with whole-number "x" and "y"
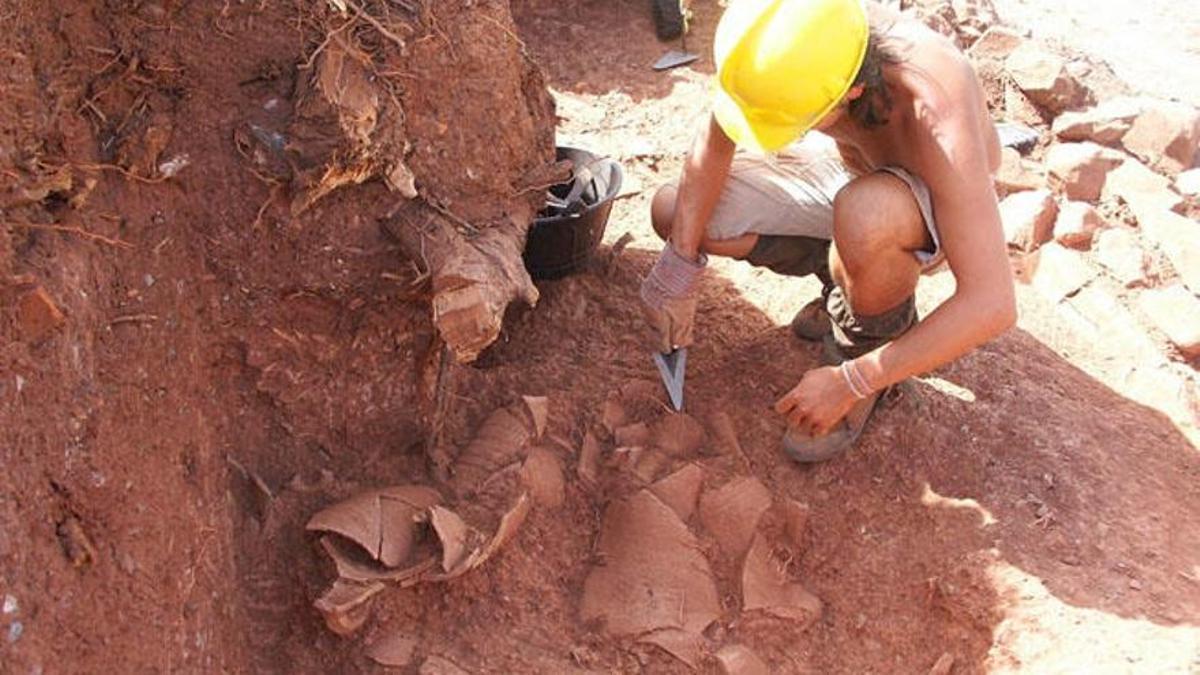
{"x": 818, "y": 403}
{"x": 669, "y": 298}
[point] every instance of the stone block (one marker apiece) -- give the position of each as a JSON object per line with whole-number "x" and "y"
{"x": 1140, "y": 187}
{"x": 1060, "y": 272}
{"x": 1028, "y": 218}
{"x": 1018, "y": 174}
{"x": 1042, "y": 75}
{"x": 1165, "y": 135}
{"x": 996, "y": 44}
{"x": 1188, "y": 183}
{"x": 1114, "y": 327}
{"x": 1178, "y": 238}
{"x": 1079, "y": 170}
{"x": 1176, "y": 312}
{"x": 1119, "y": 251}
{"x": 1077, "y": 224}
{"x": 1105, "y": 123}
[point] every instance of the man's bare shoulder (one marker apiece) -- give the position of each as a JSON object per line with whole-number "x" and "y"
{"x": 945, "y": 108}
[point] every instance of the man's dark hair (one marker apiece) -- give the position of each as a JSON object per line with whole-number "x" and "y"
{"x": 872, "y": 108}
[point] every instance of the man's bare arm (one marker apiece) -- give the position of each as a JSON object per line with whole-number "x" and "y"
{"x": 956, "y": 167}
{"x": 704, "y": 175}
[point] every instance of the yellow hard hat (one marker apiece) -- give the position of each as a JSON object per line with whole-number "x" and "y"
{"x": 782, "y": 65}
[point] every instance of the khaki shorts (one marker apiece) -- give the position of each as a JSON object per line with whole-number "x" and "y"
{"x": 792, "y": 192}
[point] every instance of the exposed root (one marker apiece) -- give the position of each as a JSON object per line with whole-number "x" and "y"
{"x": 308, "y": 63}
{"x": 509, "y": 33}
{"x": 68, "y": 229}
{"x": 134, "y": 318}
{"x": 383, "y": 30}
{"x": 123, "y": 171}
{"x": 265, "y": 205}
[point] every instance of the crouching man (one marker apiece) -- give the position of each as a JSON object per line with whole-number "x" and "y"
{"x": 903, "y": 181}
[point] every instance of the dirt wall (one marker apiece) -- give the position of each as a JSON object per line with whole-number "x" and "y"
{"x": 188, "y": 328}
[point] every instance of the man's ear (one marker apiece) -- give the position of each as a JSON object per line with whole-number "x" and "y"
{"x": 855, "y": 92}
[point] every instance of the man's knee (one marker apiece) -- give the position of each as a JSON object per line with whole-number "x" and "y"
{"x": 873, "y": 216}
{"x": 662, "y": 210}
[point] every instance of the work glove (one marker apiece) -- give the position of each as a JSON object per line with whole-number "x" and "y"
{"x": 669, "y": 298}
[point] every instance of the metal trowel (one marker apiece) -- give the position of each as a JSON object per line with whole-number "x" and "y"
{"x": 672, "y": 367}
{"x": 674, "y": 59}
{"x": 677, "y": 57}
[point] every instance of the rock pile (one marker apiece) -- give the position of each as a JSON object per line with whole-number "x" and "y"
{"x": 1101, "y": 214}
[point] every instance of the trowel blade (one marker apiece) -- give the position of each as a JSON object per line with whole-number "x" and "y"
{"x": 672, "y": 368}
{"x": 674, "y": 59}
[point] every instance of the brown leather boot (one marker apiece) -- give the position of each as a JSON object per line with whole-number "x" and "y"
{"x": 811, "y": 323}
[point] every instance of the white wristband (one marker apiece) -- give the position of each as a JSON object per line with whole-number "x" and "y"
{"x": 850, "y": 381}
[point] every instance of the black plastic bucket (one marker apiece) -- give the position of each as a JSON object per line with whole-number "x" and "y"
{"x": 566, "y": 233}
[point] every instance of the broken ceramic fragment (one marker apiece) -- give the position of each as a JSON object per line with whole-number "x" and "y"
{"x": 653, "y": 577}
{"x": 677, "y": 434}
{"x": 766, "y": 588}
{"x": 731, "y": 512}
{"x": 500, "y": 442}
{"x": 394, "y": 650}
{"x": 382, "y": 522}
{"x": 542, "y": 475}
{"x": 680, "y": 490}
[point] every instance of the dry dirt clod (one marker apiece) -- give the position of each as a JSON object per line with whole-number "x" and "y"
{"x": 38, "y": 315}
{"x": 394, "y": 650}
{"x": 731, "y": 512}
{"x": 76, "y": 544}
{"x": 740, "y": 660}
{"x": 766, "y": 588}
